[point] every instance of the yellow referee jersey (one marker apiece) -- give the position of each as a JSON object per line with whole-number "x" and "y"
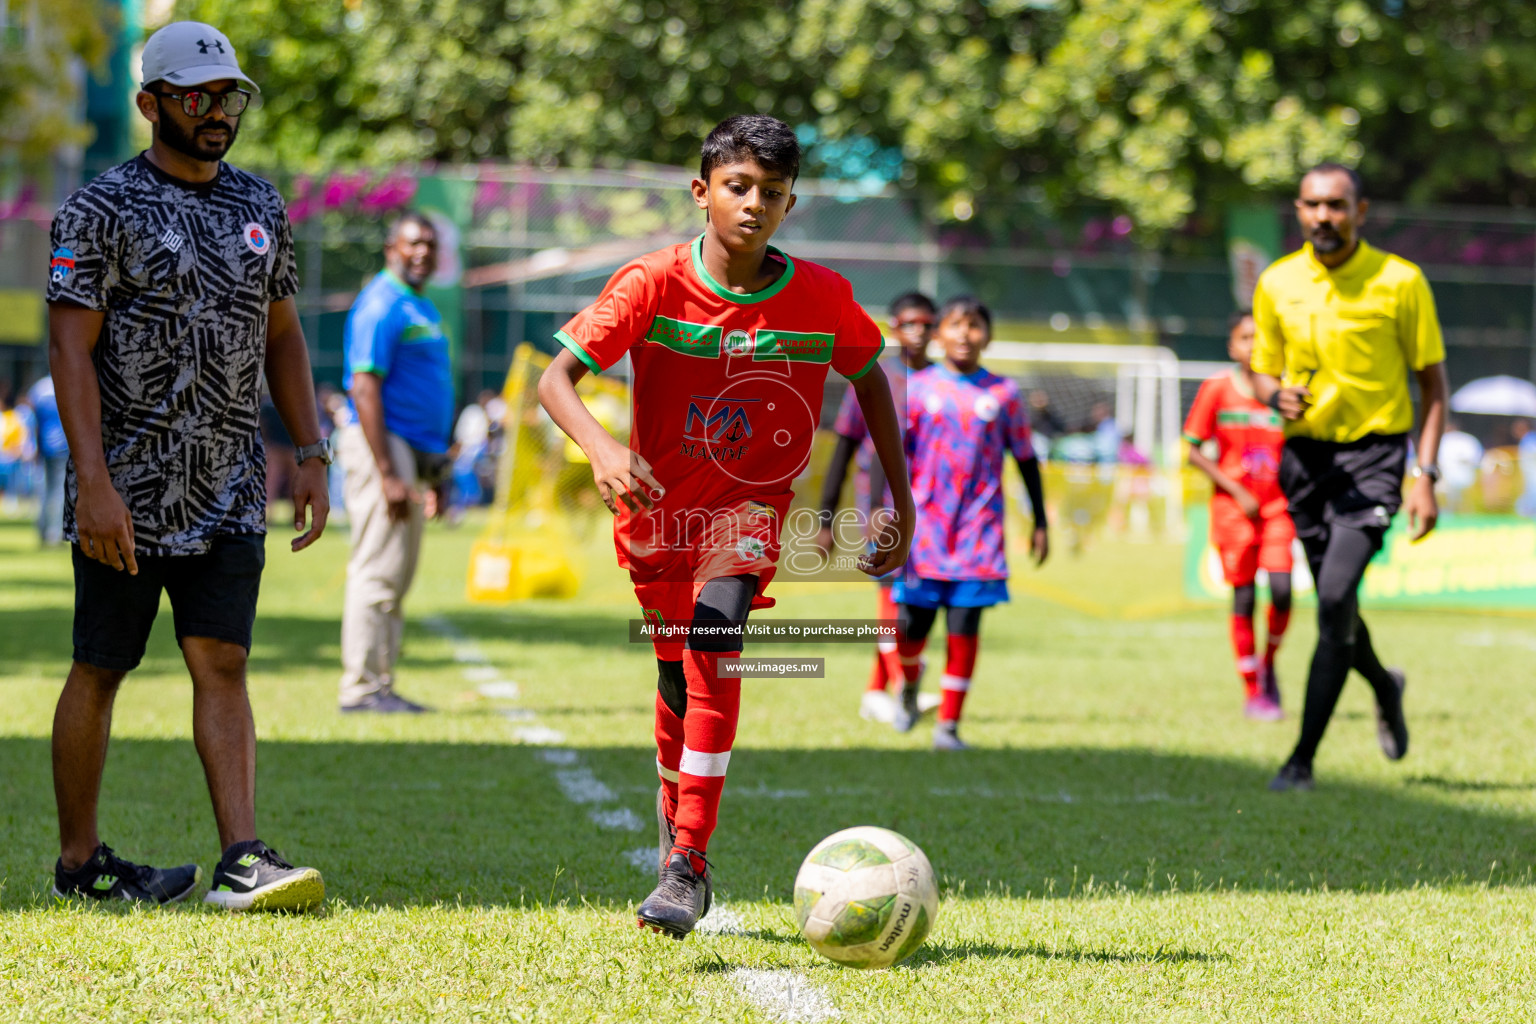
{"x": 1350, "y": 335}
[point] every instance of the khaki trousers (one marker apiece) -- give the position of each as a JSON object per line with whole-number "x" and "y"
{"x": 383, "y": 563}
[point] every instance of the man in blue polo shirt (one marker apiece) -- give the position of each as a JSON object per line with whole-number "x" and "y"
{"x": 396, "y": 454}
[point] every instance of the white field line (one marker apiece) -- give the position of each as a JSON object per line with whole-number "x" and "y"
{"x": 784, "y": 995}
{"x": 643, "y": 858}
{"x": 500, "y": 689}
{"x": 620, "y": 819}
{"x": 966, "y": 792}
{"x": 721, "y": 920}
{"x": 580, "y": 786}
{"x": 539, "y": 735}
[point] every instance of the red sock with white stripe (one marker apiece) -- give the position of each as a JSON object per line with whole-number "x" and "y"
{"x": 1247, "y": 663}
{"x": 669, "y": 752}
{"x": 1278, "y": 621}
{"x": 957, "y": 675}
{"x": 709, "y": 729}
{"x": 887, "y": 659}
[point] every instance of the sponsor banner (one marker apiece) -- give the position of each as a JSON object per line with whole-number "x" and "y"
{"x": 1467, "y": 562}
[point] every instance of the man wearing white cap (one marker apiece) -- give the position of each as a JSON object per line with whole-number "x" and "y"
{"x": 170, "y": 293}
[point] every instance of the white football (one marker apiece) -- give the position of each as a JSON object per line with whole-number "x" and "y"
{"x": 866, "y": 897}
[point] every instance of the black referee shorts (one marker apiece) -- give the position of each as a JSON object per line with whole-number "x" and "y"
{"x": 212, "y": 595}
{"x": 1358, "y": 484}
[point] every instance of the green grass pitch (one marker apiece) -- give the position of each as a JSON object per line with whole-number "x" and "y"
{"x": 1107, "y": 853}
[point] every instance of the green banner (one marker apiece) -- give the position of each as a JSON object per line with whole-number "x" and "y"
{"x": 450, "y": 204}
{"x": 1467, "y": 562}
{"x": 1253, "y": 243}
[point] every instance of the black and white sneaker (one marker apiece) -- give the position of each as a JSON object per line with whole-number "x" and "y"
{"x": 1292, "y": 777}
{"x": 682, "y": 896}
{"x": 666, "y": 832}
{"x": 1392, "y": 728}
{"x": 106, "y": 876}
{"x": 252, "y": 877}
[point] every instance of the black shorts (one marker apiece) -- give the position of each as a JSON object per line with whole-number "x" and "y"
{"x": 212, "y": 595}
{"x": 1352, "y": 483}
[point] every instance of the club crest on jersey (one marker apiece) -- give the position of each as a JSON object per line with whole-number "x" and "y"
{"x": 61, "y": 265}
{"x": 256, "y": 238}
{"x": 750, "y": 549}
{"x": 986, "y": 408}
{"x": 738, "y": 343}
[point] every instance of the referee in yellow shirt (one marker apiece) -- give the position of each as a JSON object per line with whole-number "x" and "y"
{"x": 1340, "y": 327}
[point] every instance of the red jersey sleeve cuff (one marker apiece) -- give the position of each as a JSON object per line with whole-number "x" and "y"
{"x": 576, "y": 350}
{"x": 869, "y": 365}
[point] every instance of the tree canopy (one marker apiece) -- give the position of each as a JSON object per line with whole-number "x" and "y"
{"x": 1153, "y": 106}
{"x": 39, "y": 86}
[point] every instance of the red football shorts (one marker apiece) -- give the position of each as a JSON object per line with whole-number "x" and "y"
{"x": 728, "y": 542}
{"x": 1248, "y": 545}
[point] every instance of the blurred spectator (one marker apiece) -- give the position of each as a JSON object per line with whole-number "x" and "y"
{"x": 15, "y": 451}
{"x": 1044, "y": 424}
{"x": 1525, "y": 447}
{"x": 1106, "y": 433}
{"x": 281, "y": 464}
{"x": 1459, "y": 458}
{"x": 53, "y": 457}
{"x": 471, "y": 443}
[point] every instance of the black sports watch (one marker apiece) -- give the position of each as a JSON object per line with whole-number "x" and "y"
{"x": 321, "y": 450}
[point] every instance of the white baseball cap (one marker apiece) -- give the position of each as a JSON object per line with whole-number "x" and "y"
{"x": 191, "y": 53}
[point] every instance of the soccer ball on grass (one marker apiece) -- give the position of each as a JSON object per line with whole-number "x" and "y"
{"x": 866, "y": 897}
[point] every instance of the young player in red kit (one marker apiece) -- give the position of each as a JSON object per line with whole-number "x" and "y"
{"x": 912, "y": 319}
{"x": 729, "y": 341}
{"x": 1249, "y": 524}
{"x": 961, "y": 422}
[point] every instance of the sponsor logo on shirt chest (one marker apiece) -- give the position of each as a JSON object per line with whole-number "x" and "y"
{"x": 710, "y": 341}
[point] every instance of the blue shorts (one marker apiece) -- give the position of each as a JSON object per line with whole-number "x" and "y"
{"x": 921, "y": 593}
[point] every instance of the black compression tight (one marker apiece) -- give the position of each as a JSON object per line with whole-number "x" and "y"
{"x": 1338, "y": 563}
{"x": 915, "y": 623}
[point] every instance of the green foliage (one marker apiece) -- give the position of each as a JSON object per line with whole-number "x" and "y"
{"x": 1152, "y": 106}
{"x": 39, "y": 90}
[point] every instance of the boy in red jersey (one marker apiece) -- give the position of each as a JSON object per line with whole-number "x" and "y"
{"x": 912, "y": 318}
{"x": 1249, "y": 523}
{"x": 730, "y": 342}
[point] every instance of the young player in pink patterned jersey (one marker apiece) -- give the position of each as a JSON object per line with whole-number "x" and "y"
{"x": 730, "y": 342}
{"x": 912, "y": 318}
{"x": 961, "y": 420}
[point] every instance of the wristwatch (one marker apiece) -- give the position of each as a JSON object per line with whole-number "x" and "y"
{"x": 1433, "y": 472}
{"x": 321, "y": 450}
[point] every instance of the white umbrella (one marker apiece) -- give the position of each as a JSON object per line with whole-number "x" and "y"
{"x": 1496, "y": 396}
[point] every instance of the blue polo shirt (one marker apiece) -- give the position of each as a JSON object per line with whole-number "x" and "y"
{"x": 398, "y": 335}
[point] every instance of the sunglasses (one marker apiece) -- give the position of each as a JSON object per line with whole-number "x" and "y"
{"x": 196, "y": 103}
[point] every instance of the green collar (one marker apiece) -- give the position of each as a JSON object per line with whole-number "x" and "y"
{"x": 743, "y": 298}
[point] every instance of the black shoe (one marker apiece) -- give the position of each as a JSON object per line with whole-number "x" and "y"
{"x": 666, "y": 832}
{"x": 1271, "y": 684}
{"x": 106, "y": 876}
{"x": 1392, "y": 729}
{"x": 1291, "y": 776}
{"x": 251, "y": 877}
{"x": 680, "y": 898}
{"x": 387, "y": 703}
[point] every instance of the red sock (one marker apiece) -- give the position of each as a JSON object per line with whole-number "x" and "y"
{"x": 709, "y": 729}
{"x": 887, "y": 668}
{"x": 1242, "y": 643}
{"x": 957, "y": 675}
{"x": 910, "y": 653}
{"x": 669, "y": 752}
{"x": 1278, "y": 620}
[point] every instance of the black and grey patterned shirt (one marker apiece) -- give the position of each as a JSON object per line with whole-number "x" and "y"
{"x": 185, "y": 274}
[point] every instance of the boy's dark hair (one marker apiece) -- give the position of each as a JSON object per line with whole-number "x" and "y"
{"x": 767, "y": 140}
{"x": 1329, "y": 167}
{"x": 1237, "y": 318}
{"x": 967, "y": 305}
{"x": 911, "y": 300}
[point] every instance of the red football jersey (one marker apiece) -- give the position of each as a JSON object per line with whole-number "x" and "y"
{"x": 1248, "y": 437}
{"x": 726, "y": 388}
